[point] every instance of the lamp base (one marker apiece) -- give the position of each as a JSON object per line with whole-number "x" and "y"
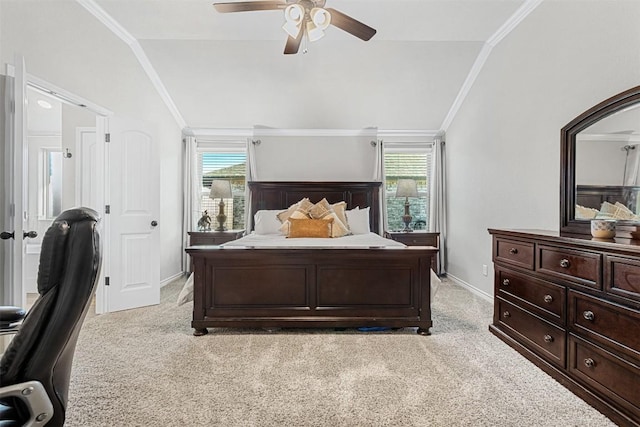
{"x": 407, "y": 221}
{"x": 221, "y": 217}
{"x": 406, "y": 218}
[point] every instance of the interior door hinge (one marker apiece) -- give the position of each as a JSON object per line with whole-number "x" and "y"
{"x": 106, "y": 281}
{"x": 107, "y": 209}
{"x": 107, "y": 137}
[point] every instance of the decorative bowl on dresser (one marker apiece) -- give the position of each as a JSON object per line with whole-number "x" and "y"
{"x": 570, "y": 302}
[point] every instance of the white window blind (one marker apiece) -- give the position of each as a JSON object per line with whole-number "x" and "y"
{"x": 227, "y": 161}
{"x": 407, "y": 161}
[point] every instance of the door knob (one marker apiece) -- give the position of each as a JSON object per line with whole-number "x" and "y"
{"x": 154, "y": 223}
{"x": 5, "y": 235}
{"x": 30, "y": 234}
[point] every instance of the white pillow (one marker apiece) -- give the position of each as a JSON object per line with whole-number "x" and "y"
{"x": 358, "y": 220}
{"x": 266, "y": 222}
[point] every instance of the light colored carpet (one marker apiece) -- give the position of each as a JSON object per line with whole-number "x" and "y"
{"x": 145, "y": 368}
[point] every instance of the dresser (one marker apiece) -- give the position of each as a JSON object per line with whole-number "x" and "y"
{"x": 571, "y": 305}
{"x": 418, "y": 238}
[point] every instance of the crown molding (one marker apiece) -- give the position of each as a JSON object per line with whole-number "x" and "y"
{"x": 141, "y": 56}
{"x": 414, "y": 134}
{"x": 514, "y": 20}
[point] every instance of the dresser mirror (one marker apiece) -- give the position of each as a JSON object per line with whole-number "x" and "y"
{"x": 600, "y": 166}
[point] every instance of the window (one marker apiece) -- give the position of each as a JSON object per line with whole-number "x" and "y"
{"x": 227, "y": 164}
{"x": 407, "y": 161}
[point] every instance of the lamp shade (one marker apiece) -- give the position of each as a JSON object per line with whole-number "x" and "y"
{"x": 407, "y": 188}
{"x": 220, "y": 189}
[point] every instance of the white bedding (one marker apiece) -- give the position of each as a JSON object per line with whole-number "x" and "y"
{"x": 265, "y": 241}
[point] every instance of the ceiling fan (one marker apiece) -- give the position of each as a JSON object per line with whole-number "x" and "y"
{"x": 303, "y": 18}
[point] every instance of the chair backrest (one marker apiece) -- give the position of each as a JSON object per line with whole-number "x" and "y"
{"x": 44, "y": 346}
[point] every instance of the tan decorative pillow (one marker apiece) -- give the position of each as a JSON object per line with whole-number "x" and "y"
{"x": 340, "y": 210}
{"x": 320, "y": 209}
{"x": 303, "y": 206}
{"x": 323, "y": 210}
{"x": 308, "y": 227}
{"x": 284, "y": 228}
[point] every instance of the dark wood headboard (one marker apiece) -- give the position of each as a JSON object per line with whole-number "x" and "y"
{"x": 282, "y": 194}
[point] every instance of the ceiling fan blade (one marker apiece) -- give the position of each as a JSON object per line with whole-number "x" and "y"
{"x": 248, "y": 6}
{"x": 292, "y": 46}
{"x": 350, "y": 25}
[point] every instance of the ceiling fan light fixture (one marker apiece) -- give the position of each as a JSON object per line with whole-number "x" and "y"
{"x": 320, "y": 17}
{"x": 314, "y": 33}
{"x": 293, "y": 15}
{"x": 292, "y": 29}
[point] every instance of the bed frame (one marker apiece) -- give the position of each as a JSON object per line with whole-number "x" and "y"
{"x": 249, "y": 287}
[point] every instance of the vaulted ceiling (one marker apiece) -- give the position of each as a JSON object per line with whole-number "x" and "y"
{"x": 206, "y": 62}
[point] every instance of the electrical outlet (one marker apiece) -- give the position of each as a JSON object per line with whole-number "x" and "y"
{"x": 485, "y": 269}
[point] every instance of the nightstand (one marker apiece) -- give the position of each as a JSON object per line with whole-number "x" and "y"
{"x": 199, "y": 238}
{"x": 417, "y": 238}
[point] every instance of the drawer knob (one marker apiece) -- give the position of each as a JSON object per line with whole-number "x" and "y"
{"x": 506, "y": 314}
{"x": 548, "y": 338}
{"x": 589, "y": 315}
{"x": 513, "y": 251}
{"x": 548, "y": 299}
{"x": 589, "y": 362}
{"x": 564, "y": 263}
{"x": 506, "y": 282}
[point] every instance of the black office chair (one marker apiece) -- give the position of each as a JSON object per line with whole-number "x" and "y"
{"x": 36, "y": 366}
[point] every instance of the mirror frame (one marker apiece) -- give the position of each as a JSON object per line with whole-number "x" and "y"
{"x": 568, "y": 223}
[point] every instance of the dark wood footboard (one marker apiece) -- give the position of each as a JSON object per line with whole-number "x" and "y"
{"x": 246, "y": 287}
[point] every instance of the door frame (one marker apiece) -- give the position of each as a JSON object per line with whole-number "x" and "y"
{"x": 102, "y": 116}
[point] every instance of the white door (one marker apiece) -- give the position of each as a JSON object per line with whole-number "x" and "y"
{"x": 133, "y": 197}
{"x": 14, "y": 190}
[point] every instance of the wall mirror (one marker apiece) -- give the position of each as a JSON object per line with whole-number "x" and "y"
{"x": 600, "y": 166}
{"x": 50, "y": 188}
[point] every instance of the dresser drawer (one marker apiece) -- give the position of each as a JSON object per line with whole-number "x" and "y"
{"x": 605, "y": 322}
{"x": 622, "y": 277}
{"x": 580, "y": 267}
{"x": 544, "y": 298}
{"x": 605, "y": 372}
{"x": 514, "y": 252}
{"x": 545, "y": 339}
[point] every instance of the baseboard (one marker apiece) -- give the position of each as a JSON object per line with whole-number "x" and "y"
{"x": 470, "y": 287}
{"x": 170, "y": 279}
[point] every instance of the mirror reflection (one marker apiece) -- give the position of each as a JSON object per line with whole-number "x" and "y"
{"x": 607, "y": 167}
{"x": 51, "y": 184}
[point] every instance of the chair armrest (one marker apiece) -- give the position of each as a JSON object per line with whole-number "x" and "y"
{"x": 10, "y": 316}
{"x": 33, "y": 394}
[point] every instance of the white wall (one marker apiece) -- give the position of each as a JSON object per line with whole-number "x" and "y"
{"x": 503, "y": 148}
{"x": 66, "y": 46}
{"x": 315, "y": 158}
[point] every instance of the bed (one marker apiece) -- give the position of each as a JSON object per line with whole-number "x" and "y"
{"x": 339, "y": 286}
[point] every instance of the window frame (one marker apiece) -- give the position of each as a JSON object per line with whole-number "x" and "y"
{"x": 230, "y": 146}
{"x": 409, "y": 147}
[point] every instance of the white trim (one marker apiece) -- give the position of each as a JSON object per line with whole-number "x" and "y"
{"x": 63, "y": 95}
{"x": 315, "y": 132}
{"x": 515, "y": 20}
{"x": 204, "y": 132}
{"x": 404, "y": 134}
{"x": 422, "y": 134}
{"x": 610, "y": 137}
{"x": 137, "y": 50}
{"x": 170, "y": 279}
{"x": 510, "y": 24}
{"x": 485, "y": 296}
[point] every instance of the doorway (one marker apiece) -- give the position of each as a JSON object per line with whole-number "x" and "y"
{"x": 59, "y": 136}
